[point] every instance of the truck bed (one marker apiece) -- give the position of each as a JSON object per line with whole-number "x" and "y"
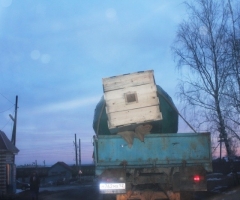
{"x": 157, "y": 150}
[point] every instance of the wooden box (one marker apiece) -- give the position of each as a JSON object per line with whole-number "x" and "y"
{"x": 131, "y": 99}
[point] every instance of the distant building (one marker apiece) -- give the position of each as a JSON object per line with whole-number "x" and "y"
{"x": 60, "y": 172}
{"x": 24, "y": 172}
{"x": 7, "y": 166}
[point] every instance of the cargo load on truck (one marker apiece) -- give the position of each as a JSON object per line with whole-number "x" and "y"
{"x": 134, "y": 99}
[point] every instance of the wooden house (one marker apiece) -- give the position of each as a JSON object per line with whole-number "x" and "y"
{"x": 7, "y": 166}
{"x": 60, "y": 172}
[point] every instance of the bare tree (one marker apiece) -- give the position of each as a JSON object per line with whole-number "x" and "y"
{"x": 202, "y": 51}
{"x": 233, "y": 89}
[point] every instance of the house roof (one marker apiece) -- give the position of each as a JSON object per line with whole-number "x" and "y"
{"x": 5, "y": 144}
{"x": 63, "y": 164}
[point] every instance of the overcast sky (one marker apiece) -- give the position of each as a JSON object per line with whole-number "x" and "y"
{"x": 54, "y": 54}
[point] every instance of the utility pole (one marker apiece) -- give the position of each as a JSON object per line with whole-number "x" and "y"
{"x": 13, "y": 140}
{"x": 76, "y": 150}
{"x": 14, "y": 119}
{"x": 79, "y": 154}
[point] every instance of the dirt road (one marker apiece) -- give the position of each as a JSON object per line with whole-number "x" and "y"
{"x": 219, "y": 187}
{"x": 85, "y": 192}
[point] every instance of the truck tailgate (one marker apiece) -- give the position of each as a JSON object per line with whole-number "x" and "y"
{"x": 157, "y": 150}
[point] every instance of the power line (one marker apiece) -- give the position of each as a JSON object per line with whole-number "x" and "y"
{"x": 5, "y": 124}
{"x": 6, "y": 98}
{"x": 6, "y": 109}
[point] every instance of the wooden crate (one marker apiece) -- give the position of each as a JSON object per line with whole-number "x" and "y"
{"x": 131, "y": 99}
{"x": 128, "y": 80}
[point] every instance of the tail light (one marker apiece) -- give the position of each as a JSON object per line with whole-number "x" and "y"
{"x": 197, "y": 178}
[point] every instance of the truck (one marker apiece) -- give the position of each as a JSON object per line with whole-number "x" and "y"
{"x": 138, "y": 152}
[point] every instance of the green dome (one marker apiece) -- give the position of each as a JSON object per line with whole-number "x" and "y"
{"x": 169, "y": 123}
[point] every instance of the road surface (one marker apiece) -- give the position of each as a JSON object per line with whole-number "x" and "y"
{"x": 90, "y": 192}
